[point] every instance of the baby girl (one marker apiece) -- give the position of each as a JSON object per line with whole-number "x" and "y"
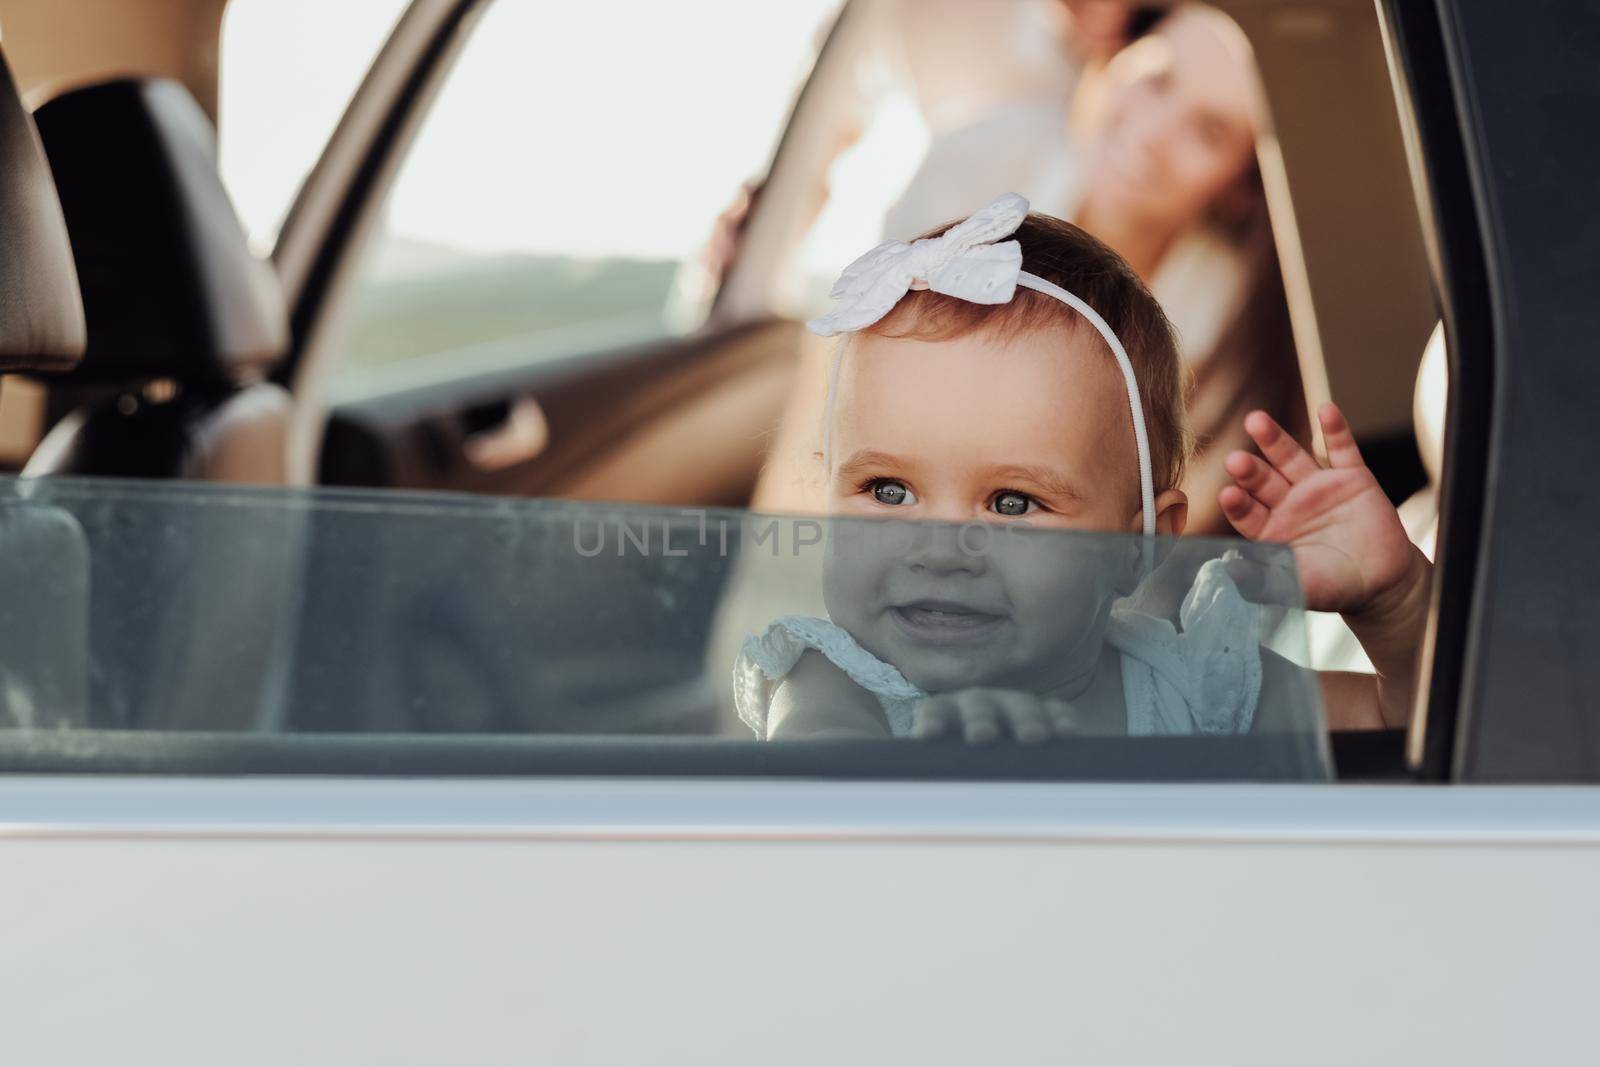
{"x": 1013, "y": 370}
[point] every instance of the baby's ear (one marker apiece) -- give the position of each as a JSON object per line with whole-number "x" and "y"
{"x": 1172, "y": 512}
{"x": 1172, "y": 515}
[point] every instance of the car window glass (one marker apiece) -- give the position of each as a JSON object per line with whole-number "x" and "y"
{"x": 300, "y": 58}
{"x": 565, "y": 179}
{"x": 174, "y": 614}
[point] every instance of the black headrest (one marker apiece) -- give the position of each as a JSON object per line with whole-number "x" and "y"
{"x": 170, "y": 286}
{"x": 41, "y": 314}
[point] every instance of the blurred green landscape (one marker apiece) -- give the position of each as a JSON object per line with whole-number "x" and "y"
{"x": 416, "y": 300}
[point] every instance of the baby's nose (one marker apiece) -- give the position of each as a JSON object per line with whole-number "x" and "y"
{"x": 945, "y": 548}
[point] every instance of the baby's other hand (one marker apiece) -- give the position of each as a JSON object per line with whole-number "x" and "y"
{"x": 1349, "y": 546}
{"x": 982, "y": 716}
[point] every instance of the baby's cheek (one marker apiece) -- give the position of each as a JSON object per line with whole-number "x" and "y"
{"x": 1060, "y": 586}
{"x": 842, "y": 607}
{"x": 858, "y": 556}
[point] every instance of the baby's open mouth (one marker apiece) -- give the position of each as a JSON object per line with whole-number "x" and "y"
{"x": 943, "y": 622}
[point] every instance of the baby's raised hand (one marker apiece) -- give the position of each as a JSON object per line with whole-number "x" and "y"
{"x": 1352, "y": 553}
{"x": 982, "y": 716}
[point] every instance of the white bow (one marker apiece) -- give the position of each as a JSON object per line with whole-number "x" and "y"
{"x": 963, "y": 262}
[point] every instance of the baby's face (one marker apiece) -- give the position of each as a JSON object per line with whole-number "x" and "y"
{"x": 1022, "y": 437}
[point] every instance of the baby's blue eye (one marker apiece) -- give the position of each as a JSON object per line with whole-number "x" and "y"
{"x": 886, "y": 491}
{"x": 1011, "y": 503}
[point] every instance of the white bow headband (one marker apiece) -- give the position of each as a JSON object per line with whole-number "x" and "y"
{"x": 964, "y": 262}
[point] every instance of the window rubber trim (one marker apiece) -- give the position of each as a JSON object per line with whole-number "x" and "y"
{"x": 1428, "y": 91}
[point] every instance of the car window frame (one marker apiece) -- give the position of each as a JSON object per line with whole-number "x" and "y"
{"x": 317, "y": 253}
{"x": 1434, "y": 89}
{"x": 331, "y": 220}
{"x": 1426, "y": 90}
{"x": 1510, "y": 693}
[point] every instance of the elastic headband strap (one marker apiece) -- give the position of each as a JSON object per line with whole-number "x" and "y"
{"x": 1141, "y": 438}
{"x": 969, "y": 261}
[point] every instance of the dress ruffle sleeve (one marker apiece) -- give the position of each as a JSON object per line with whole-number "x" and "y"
{"x": 1204, "y": 678}
{"x": 765, "y": 659}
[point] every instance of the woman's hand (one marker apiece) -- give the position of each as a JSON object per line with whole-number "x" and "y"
{"x": 982, "y": 716}
{"x": 1352, "y": 553}
{"x": 727, "y": 232}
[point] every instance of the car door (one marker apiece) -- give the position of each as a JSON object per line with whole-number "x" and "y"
{"x": 411, "y": 899}
{"x": 497, "y": 271}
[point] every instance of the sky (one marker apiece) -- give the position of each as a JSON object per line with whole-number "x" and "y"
{"x": 588, "y": 127}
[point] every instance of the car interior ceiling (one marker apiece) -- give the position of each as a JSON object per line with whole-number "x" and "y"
{"x": 176, "y": 357}
{"x": 55, "y": 45}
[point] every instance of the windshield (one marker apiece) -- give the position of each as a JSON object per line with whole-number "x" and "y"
{"x": 205, "y": 629}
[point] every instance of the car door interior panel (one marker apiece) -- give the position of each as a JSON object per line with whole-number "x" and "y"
{"x": 618, "y": 424}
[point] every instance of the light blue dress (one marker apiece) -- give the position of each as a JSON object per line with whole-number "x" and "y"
{"x": 1203, "y": 676}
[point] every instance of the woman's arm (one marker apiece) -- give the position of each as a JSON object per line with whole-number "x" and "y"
{"x": 817, "y": 700}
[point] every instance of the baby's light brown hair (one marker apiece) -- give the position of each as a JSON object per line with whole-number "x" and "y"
{"x": 1061, "y": 253}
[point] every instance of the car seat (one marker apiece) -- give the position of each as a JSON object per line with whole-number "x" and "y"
{"x": 43, "y": 558}
{"x": 184, "y": 322}
{"x": 193, "y": 592}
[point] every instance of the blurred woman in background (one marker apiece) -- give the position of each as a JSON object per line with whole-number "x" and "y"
{"x": 1160, "y": 163}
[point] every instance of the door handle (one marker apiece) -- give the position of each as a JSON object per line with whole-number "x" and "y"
{"x": 519, "y": 438}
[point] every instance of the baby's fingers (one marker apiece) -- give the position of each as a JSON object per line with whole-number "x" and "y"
{"x": 1342, "y": 450}
{"x": 982, "y": 716}
{"x": 933, "y": 718}
{"x": 1244, "y": 511}
{"x": 1281, "y": 450}
{"x": 1257, "y": 477}
{"x": 1024, "y": 715}
{"x": 980, "y": 713}
{"x": 973, "y": 715}
{"x": 1062, "y": 721}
